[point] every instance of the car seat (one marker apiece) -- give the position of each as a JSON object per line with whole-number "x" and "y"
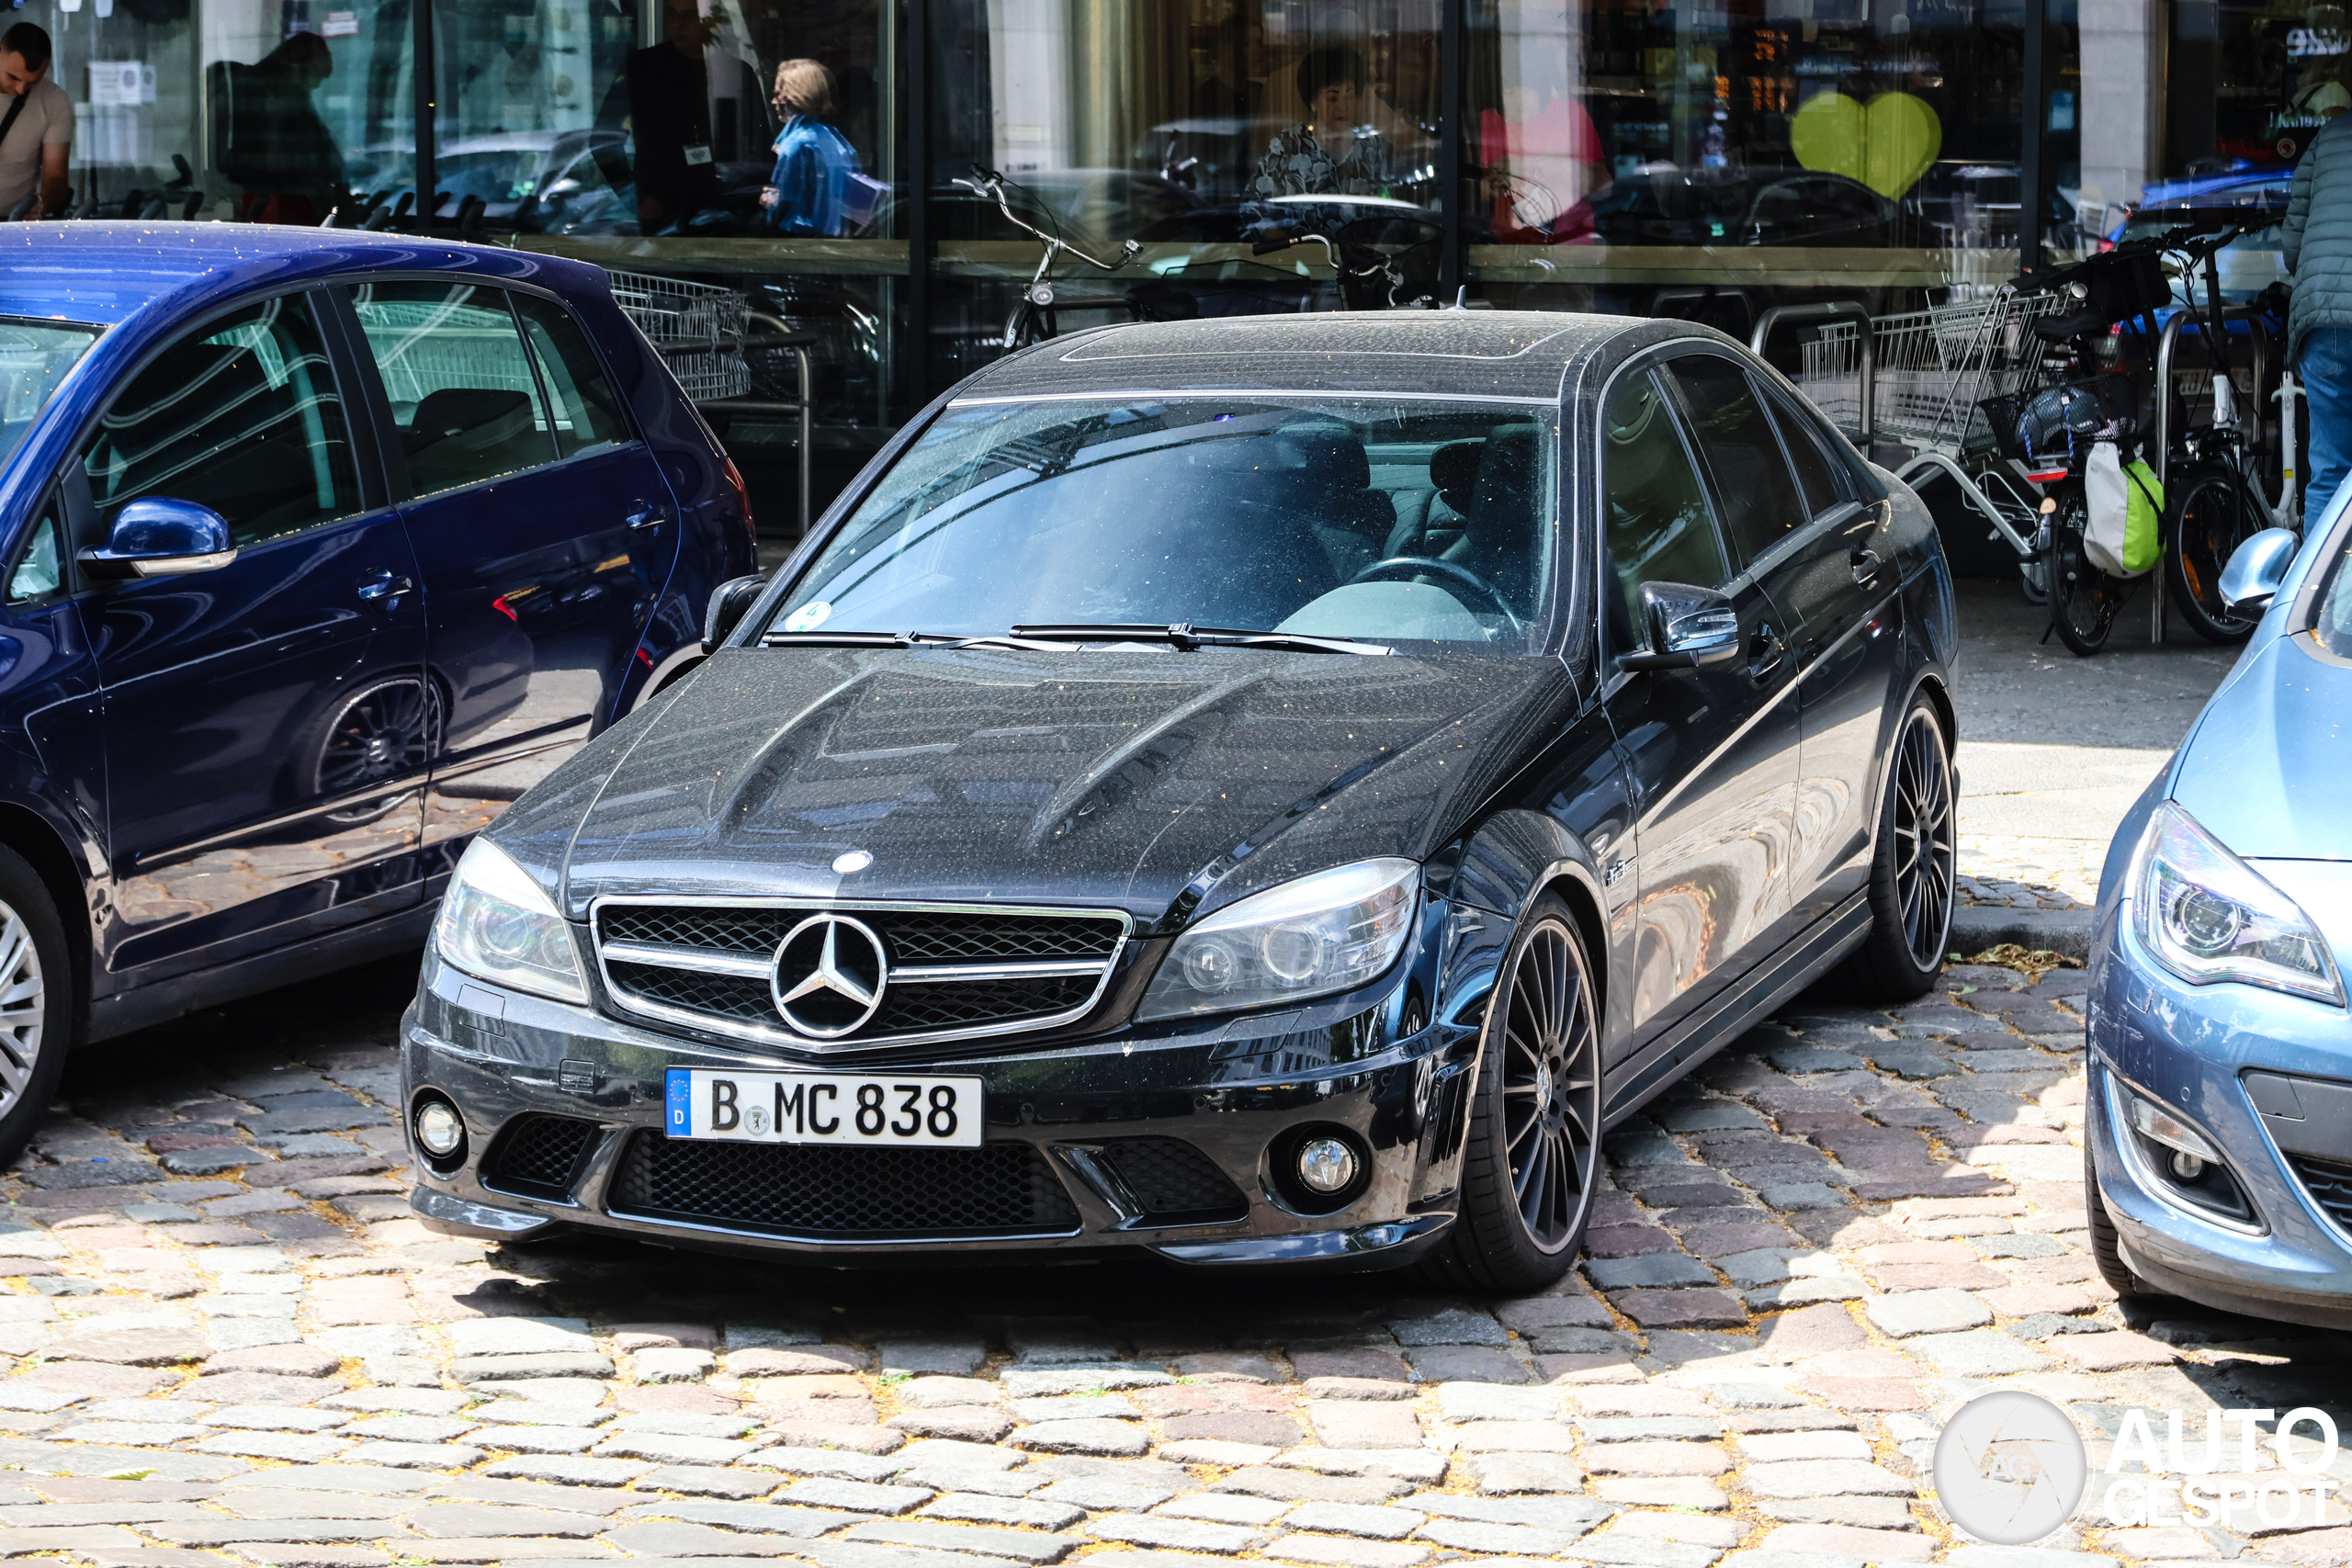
{"x": 460, "y": 435}
{"x": 1349, "y": 519}
{"x": 1429, "y": 522}
{"x": 1499, "y": 534}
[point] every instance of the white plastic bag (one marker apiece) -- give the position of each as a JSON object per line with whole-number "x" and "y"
{"x": 2111, "y": 508}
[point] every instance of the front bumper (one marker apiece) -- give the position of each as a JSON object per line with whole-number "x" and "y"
{"x": 1237, "y": 1092}
{"x": 2209, "y": 1053}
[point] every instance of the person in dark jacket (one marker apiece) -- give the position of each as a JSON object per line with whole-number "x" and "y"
{"x": 814, "y": 163}
{"x": 664, "y": 94}
{"x": 2318, "y": 243}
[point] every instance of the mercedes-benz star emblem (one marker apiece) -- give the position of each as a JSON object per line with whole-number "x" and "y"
{"x": 830, "y": 971}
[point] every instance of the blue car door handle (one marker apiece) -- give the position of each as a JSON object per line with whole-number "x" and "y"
{"x": 385, "y": 589}
{"x": 647, "y": 515}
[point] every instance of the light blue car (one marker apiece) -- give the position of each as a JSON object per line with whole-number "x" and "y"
{"x": 2220, "y": 1114}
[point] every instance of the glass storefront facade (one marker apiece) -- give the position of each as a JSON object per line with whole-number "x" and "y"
{"x": 1705, "y": 159}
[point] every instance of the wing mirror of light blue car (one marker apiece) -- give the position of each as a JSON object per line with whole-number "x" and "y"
{"x": 2256, "y": 569}
{"x": 160, "y": 538}
{"x": 727, "y": 603}
{"x": 1691, "y": 628}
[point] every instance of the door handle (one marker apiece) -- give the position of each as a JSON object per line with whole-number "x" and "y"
{"x": 1866, "y": 564}
{"x": 647, "y": 515}
{"x": 1764, "y": 652}
{"x": 385, "y": 589}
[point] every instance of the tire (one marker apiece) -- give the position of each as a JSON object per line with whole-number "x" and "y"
{"x": 1529, "y": 1175}
{"x": 385, "y": 730}
{"x": 2205, "y": 521}
{"x": 1913, "y": 869}
{"x": 2105, "y": 1251}
{"x": 36, "y": 1002}
{"x": 2084, "y": 601}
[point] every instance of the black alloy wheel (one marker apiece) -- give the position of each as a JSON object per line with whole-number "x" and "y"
{"x": 1528, "y": 1171}
{"x": 1913, "y": 868}
{"x": 2084, "y": 601}
{"x": 384, "y": 731}
{"x": 2207, "y": 518}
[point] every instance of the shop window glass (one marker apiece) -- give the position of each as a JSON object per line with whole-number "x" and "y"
{"x": 1756, "y": 493}
{"x": 587, "y": 411}
{"x": 459, "y": 382}
{"x": 1656, "y": 524}
{"x": 241, "y": 416}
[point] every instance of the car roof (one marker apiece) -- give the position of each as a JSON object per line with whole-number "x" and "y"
{"x": 106, "y": 272}
{"x": 1500, "y": 353}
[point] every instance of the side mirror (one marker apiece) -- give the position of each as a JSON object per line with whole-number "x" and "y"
{"x": 727, "y": 603}
{"x": 1691, "y": 628}
{"x": 2256, "y": 569}
{"x": 160, "y": 538}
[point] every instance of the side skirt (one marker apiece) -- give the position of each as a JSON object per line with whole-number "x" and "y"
{"x": 166, "y": 1000}
{"x": 1634, "y": 1083}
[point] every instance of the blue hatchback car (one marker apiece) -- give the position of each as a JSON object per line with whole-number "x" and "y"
{"x": 319, "y": 549}
{"x": 2219, "y": 1112}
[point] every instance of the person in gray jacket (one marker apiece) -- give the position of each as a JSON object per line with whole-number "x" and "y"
{"x": 2318, "y": 243}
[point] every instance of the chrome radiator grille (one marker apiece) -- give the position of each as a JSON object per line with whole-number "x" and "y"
{"x": 931, "y": 971}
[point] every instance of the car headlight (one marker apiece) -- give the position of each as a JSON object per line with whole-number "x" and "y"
{"x": 1307, "y": 938}
{"x": 2207, "y": 916}
{"x": 497, "y": 923}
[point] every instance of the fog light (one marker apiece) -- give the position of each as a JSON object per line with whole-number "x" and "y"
{"x": 2186, "y": 1167}
{"x": 438, "y": 1128}
{"x": 1326, "y": 1164}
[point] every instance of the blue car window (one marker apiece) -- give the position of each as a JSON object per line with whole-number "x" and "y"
{"x": 241, "y": 415}
{"x": 587, "y": 410}
{"x": 40, "y": 570}
{"x": 1656, "y": 524}
{"x": 460, "y": 384}
{"x": 34, "y": 357}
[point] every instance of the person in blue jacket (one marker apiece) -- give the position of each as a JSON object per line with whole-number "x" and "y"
{"x": 815, "y": 166}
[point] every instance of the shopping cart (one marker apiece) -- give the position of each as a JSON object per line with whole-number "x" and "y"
{"x": 1922, "y": 379}
{"x": 696, "y": 328}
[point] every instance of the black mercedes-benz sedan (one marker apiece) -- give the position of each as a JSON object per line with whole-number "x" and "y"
{"x": 1259, "y": 791}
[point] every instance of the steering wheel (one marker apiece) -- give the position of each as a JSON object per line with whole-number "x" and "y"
{"x": 1406, "y": 566}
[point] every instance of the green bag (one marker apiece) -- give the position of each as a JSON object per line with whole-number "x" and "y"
{"x": 2144, "y": 522}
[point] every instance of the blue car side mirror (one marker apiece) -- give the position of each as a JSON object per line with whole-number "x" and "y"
{"x": 2255, "y": 570}
{"x": 160, "y": 538}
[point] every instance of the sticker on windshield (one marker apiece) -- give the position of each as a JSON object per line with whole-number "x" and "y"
{"x": 809, "y": 617}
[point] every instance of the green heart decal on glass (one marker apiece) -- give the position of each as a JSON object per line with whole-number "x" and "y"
{"x": 1886, "y": 144}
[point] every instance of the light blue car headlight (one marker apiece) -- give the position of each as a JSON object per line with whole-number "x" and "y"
{"x": 2208, "y": 916}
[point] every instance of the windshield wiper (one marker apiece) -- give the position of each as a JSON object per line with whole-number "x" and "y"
{"x": 902, "y": 639}
{"x": 1187, "y": 637}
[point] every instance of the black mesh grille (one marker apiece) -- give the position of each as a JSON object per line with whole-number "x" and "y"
{"x": 913, "y": 937}
{"x": 726, "y": 996}
{"x": 2329, "y": 1184}
{"x": 819, "y": 1191}
{"x": 907, "y": 1010}
{"x": 537, "y": 1156}
{"x": 1174, "y": 1182}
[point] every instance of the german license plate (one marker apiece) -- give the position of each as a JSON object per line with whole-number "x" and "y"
{"x": 882, "y": 1110}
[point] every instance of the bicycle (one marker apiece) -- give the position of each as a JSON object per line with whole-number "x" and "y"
{"x": 1032, "y": 320}
{"x": 1364, "y": 254}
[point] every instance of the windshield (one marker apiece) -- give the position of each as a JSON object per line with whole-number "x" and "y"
{"x": 34, "y": 357}
{"x": 2332, "y": 626}
{"x": 1372, "y": 519}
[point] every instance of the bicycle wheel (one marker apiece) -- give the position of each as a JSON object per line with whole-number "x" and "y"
{"x": 2084, "y": 601}
{"x": 2207, "y": 517}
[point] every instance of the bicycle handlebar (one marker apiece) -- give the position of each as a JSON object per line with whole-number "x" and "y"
{"x": 989, "y": 184}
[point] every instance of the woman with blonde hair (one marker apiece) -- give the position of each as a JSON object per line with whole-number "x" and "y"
{"x": 815, "y": 166}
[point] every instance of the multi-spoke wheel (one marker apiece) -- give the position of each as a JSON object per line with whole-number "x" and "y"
{"x": 381, "y": 733}
{"x": 1527, "y": 1175}
{"x": 1913, "y": 867}
{"x": 36, "y": 1002}
{"x": 2212, "y": 513}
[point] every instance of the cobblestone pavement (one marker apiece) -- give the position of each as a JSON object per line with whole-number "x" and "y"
{"x": 227, "y": 1343}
